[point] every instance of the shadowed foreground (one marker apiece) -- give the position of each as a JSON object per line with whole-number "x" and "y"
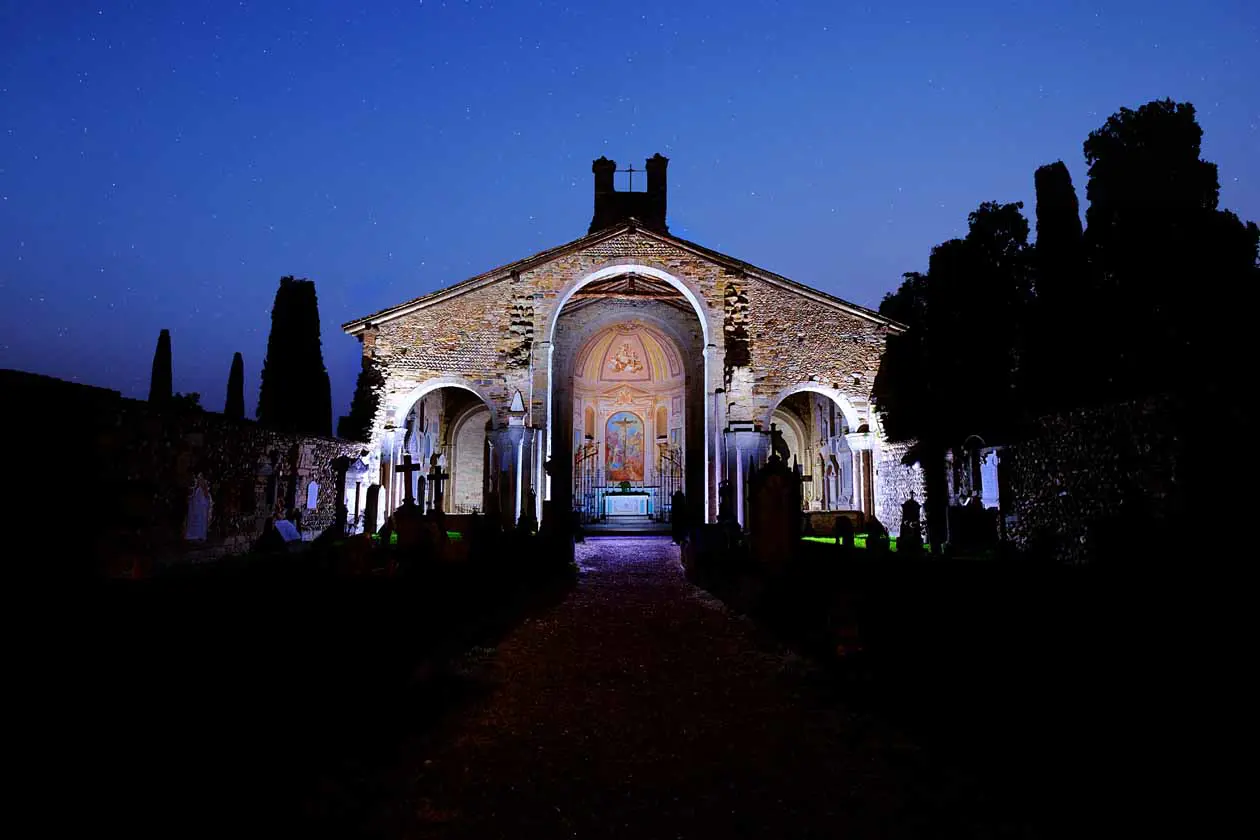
{"x": 639, "y": 707}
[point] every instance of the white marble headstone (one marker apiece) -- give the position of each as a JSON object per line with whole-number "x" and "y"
{"x": 312, "y": 495}
{"x": 197, "y": 523}
{"x": 287, "y": 530}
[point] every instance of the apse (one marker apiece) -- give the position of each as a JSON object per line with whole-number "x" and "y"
{"x": 628, "y": 389}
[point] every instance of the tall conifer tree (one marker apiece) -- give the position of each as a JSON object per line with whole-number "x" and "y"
{"x": 160, "y": 378}
{"x": 1059, "y": 371}
{"x": 294, "y": 394}
{"x": 234, "y": 406}
{"x": 357, "y": 425}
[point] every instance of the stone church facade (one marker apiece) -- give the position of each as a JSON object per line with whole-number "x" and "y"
{"x": 628, "y": 354}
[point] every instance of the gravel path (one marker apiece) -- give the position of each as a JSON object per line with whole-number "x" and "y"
{"x": 641, "y": 708}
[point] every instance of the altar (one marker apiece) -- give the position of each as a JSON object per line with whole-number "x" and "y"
{"x": 641, "y": 501}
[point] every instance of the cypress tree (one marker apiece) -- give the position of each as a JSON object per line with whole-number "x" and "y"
{"x": 294, "y": 394}
{"x": 234, "y": 406}
{"x": 160, "y": 378}
{"x": 357, "y": 425}
{"x": 1057, "y": 372}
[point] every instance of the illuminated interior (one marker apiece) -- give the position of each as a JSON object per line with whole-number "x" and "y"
{"x": 628, "y": 400}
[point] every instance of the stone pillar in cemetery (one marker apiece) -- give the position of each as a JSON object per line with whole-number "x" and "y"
{"x": 861, "y": 445}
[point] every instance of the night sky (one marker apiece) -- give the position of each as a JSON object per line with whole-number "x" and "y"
{"x": 162, "y": 164}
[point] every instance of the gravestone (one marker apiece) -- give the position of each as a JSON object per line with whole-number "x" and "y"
{"x": 407, "y": 468}
{"x": 678, "y": 517}
{"x": 528, "y": 523}
{"x": 340, "y": 465}
{"x": 200, "y": 505}
{"x": 876, "y": 538}
{"x": 774, "y": 513}
{"x": 910, "y": 541}
{"x": 312, "y": 495}
{"x": 372, "y": 510}
{"x": 409, "y": 524}
{"x": 437, "y": 483}
{"x": 726, "y": 501}
{"x": 843, "y": 532}
{"x": 287, "y": 530}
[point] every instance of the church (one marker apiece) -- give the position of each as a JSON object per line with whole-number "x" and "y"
{"x": 599, "y": 377}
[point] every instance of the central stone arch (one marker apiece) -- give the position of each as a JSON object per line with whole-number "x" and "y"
{"x": 699, "y": 443}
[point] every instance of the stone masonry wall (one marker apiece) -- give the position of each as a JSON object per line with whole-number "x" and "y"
{"x": 894, "y": 483}
{"x": 764, "y": 337}
{"x": 125, "y": 497}
{"x": 162, "y": 453}
{"x": 488, "y": 334}
{"x": 793, "y": 338}
{"x": 1085, "y": 467}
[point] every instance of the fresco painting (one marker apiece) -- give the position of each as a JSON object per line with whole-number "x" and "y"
{"x": 623, "y": 447}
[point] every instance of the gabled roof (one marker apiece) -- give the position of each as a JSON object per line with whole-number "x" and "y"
{"x": 630, "y": 225}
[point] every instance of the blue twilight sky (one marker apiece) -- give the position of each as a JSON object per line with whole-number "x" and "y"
{"x": 162, "y": 164}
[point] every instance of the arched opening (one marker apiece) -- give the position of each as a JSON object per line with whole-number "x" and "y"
{"x": 627, "y": 399}
{"x": 468, "y": 457}
{"x": 818, "y": 425}
{"x": 436, "y": 449}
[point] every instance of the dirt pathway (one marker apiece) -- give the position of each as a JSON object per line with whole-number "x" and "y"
{"x": 641, "y": 708}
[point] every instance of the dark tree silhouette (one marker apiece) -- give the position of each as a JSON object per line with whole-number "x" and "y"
{"x": 953, "y": 372}
{"x": 998, "y": 330}
{"x": 234, "y": 405}
{"x": 357, "y": 425}
{"x": 294, "y": 394}
{"x": 1154, "y": 234}
{"x": 160, "y": 378}
{"x": 186, "y": 402}
{"x": 1058, "y": 368}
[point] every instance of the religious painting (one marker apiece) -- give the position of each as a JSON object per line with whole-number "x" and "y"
{"x": 623, "y": 447}
{"x": 626, "y": 360}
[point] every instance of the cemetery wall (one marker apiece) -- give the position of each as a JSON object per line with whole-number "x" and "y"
{"x": 1085, "y": 468}
{"x": 126, "y": 469}
{"x": 894, "y": 482}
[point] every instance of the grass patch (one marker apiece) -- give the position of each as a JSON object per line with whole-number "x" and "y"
{"x": 859, "y": 541}
{"x": 453, "y": 536}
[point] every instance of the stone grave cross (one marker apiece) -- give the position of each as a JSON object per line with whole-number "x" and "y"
{"x": 437, "y": 478}
{"x": 407, "y": 468}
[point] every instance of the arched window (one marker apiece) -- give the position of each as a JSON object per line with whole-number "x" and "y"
{"x": 590, "y": 422}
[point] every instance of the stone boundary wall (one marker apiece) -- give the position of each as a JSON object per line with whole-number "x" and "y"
{"x": 119, "y": 473}
{"x": 1088, "y": 467}
{"x": 894, "y": 481}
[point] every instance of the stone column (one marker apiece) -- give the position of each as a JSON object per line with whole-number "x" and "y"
{"x": 744, "y": 446}
{"x": 861, "y": 443}
{"x": 544, "y": 350}
{"x": 714, "y": 420}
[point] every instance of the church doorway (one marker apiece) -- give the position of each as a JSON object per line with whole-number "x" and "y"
{"x": 627, "y": 404}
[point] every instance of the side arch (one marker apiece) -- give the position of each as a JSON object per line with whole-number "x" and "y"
{"x": 401, "y": 403}
{"x": 846, "y": 406}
